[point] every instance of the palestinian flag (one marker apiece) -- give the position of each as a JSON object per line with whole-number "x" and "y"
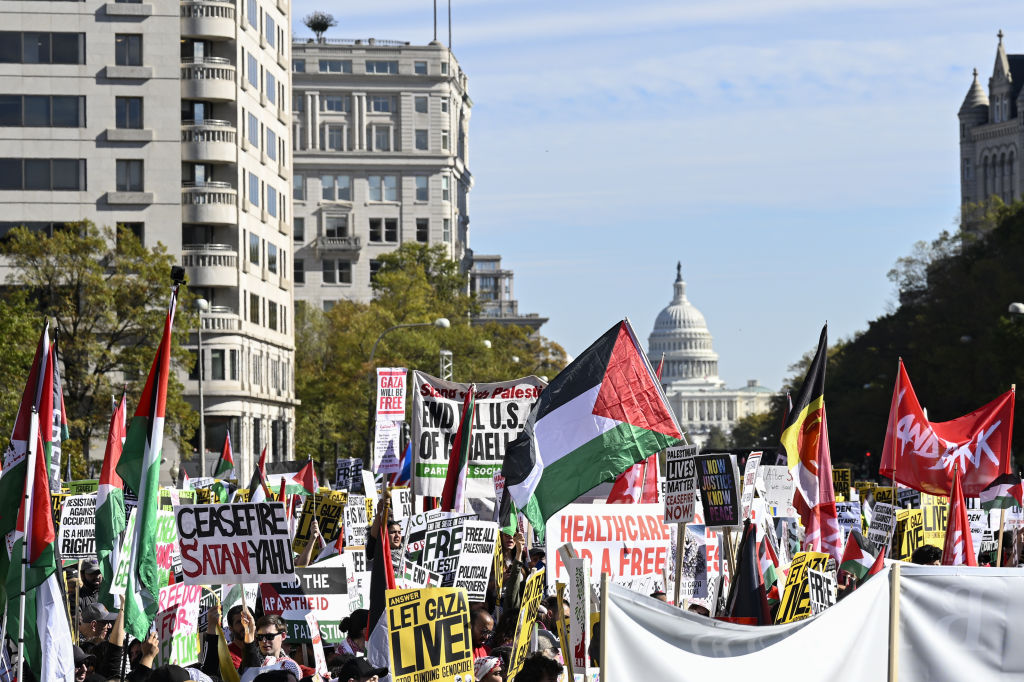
{"x": 1004, "y": 492}
{"x": 769, "y": 565}
{"x": 805, "y": 440}
{"x": 857, "y": 557}
{"x": 306, "y": 478}
{"x": 453, "y": 496}
{"x": 60, "y": 423}
{"x": 877, "y": 567}
{"x": 139, "y": 468}
{"x": 258, "y": 489}
{"x": 227, "y": 461}
{"x": 110, "y": 511}
{"x": 602, "y": 414}
{"x": 639, "y": 483}
{"x": 748, "y": 599}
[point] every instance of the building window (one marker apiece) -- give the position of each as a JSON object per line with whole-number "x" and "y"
{"x": 422, "y": 189}
{"x": 254, "y": 189}
{"x": 444, "y": 106}
{"x": 271, "y": 257}
{"x": 382, "y": 138}
{"x": 336, "y": 188}
{"x": 137, "y": 229}
{"x": 51, "y": 111}
{"x": 337, "y": 272}
{"x": 335, "y": 138}
{"x": 252, "y": 13}
{"x": 42, "y": 174}
{"x": 336, "y": 226}
{"x": 298, "y": 66}
{"x": 270, "y": 29}
{"x": 446, "y": 231}
{"x": 444, "y": 140}
{"x": 423, "y": 230}
{"x": 271, "y": 144}
{"x": 421, "y": 139}
{"x": 384, "y": 230}
{"x": 299, "y": 230}
{"x": 444, "y": 68}
{"x": 254, "y": 249}
{"x": 419, "y": 68}
{"x": 129, "y": 175}
{"x": 253, "y": 131}
{"x": 336, "y": 65}
{"x": 445, "y": 190}
{"x": 379, "y": 103}
{"x": 128, "y": 49}
{"x": 217, "y": 364}
{"x": 17, "y": 47}
{"x": 298, "y": 192}
{"x": 129, "y": 112}
{"x": 299, "y": 271}
{"x": 233, "y": 364}
{"x": 271, "y": 201}
{"x": 420, "y": 105}
{"x": 339, "y": 103}
{"x": 272, "y": 323}
{"x": 254, "y": 308}
{"x": 383, "y": 187}
{"x": 252, "y": 70}
{"x": 374, "y": 268}
{"x": 271, "y": 88}
{"x": 381, "y": 67}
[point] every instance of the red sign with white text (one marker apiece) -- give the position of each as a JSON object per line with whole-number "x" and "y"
{"x": 391, "y": 394}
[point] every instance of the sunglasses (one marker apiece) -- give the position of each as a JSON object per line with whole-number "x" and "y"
{"x": 267, "y": 637}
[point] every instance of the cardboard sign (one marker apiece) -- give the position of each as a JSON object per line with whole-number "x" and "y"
{"x": 680, "y": 484}
{"x": 442, "y": 545}
{"x": 579, "y": 612}
{"x": 429, "y": 635}
{"x": 883, "y": 524}
{"x": 532, "y": 595}
{"x": 626, "y": 541}
{"x": 77, "y": 532}
{"x": 501, "y": 412}
{"x": 885, "y": 495}
{"x": 848, "y": 514}
{"x": 718, "y": 479}
{"x": 386, "y": 443}
{"x": 330, "y": 510}
{"x": 933, "y": 513}
{"x": 821, "y": 589}
{"x": 474, "y": 567}
{"x": 842, "y": 481}
{"x": 356, "y": 524}
{"x": 412, "y": 576}
{"x": 177, "y": 619}
{"x": 321, "y": 591}
{"x": 864, "y": 489}
{"x": 234, "y": 543}
{"x": 348, "y": 474}
{"x": 401, "y": 503}
{"x": 498, "y": 565}
{"x": 318, "y": 645}
{"x": 57, "y": 505}
{"x": 796, "y": 604}
{"x": 909, "y": 532}
{"x": 778, "y": 490}
{"x": 415, "y": 531}
{"x": 391, "y": 394}
{"x": 166, "y": 551}
{"x": 693, "y": 581}
{"x": 749, "y": 480}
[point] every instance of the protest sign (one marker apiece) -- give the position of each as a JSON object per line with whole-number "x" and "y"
{"x": 234, "y": 543}
{"x": 778, "y": 490}
{"x": 177, "y": 620}
{"x": 979, "y": 525}
{"x": 330, "y": 509}
{"x": 357, "y": 572}
{"x": 474, "y": 565}
{"x": 391, "y": 393}
{"x": 316, "y": 640}
{"x": 429, "y": 635}
{"x": 907, "y": 498}
{"x": 883, "y": 523}
{"x": 77, "y": 532}
{"x": 501, "y": 412}
{"x": 680, "y": 484}
{"x": 498, "y": 565}
{"x": 848, "y": 514}
{"x": 718, "y": 480}
{"x": 933, "y": 513}
{"x": 166, "y": 551}
{"x": 864, "y": 488}
{"x": 415, "y": 531}
{"x": 401, "y": 503}
{"x": 318, "y": 590}
{"x": 579, "y": 612}
{"x": 749, "y": 479}
{"x": 57, "y": 505}
{"x": 347, "y": 474}
{"x": 885, "y": 495}
{"x": 386, "y": 442}
{"x": 83, "y": 487}
{"x": 842, "y": 481}
{"x": 624, "y": 540}
{"x": 909, "y": 532}
{"x": 411, "y": 575}
{"x": 821, "y": 590}
{"x": 527, "y": 616}
{"x": 796, "y": 598}
{"x": 694, "y": 570}
{"x": 356, "y": 524}
{"x": 442, "y": 544}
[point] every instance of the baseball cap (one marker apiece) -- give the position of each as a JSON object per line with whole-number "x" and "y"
{"x": 82, "y": 657}
{"x": 360, "y": 667}
{"x": 97, "y": 611}
{"x": 90, "y": 566}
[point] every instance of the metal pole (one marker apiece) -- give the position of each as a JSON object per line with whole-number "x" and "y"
{"x": 435, "y": 21}
{"x": 202, "y": 412}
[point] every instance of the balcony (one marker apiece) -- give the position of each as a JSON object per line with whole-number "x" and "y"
{"x": 210, "y": 265}
{"x": 221, "y": 318}
{"x": 208, "y": 141}
{"x": 209, "y": 78}
{"x": 208, "y": 20}
{"x": 209, "y": 202}
{"x": 335, "y": 244}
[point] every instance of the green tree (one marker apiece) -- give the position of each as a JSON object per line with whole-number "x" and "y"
{"x": 107, "y": 295}
{"x": 717, "y": 440}
{"x": 756, "y": 431}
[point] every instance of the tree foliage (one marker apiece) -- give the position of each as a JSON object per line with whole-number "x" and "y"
{"x": 335, "y": 380}
{"x": 107, "y": 295}
{"x": 318, "y": 22}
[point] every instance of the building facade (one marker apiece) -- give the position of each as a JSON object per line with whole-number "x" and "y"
{"x": 380, "y": 137}
{"x": 494, "y": 288}
{"x": 696, "y": 394}
{"x": 992, "y": 133}
{"x": 172, "y": 119}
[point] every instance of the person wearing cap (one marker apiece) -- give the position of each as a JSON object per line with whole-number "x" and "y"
{"x": 95, "y": 625}
{"x": 82, "y": 663}
{"x": 360, "y": 670}
{"x": 91, "y": 577}
{"x": 488, "y": 669}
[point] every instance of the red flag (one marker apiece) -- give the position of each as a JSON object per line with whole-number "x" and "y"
{"x": 261, "y": 464}
{"x": 306, "y": 478}
{"x": 923, "y": 454}
{"x": 958, "y": 550}
{"x": 878, "y": 565}
{"x": 282, "y": 493}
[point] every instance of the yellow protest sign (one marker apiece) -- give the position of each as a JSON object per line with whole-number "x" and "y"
{"x": 909, "y": 532}
{"x": 498, "y": 567}
{"x": 532, "y": 594}
{"x": 864, "y": 488}
{"x": 204, "y": 496}
{"x": 885, "y": 494}
{"x": 796, "y": 600}
{"x": 842, "y": 480}
{"x": 57, "y": 504}
{"x": 933, "y": 527}
{"x": 330, "y": 509}
{"x": 429, "y": 635}
{"x": 241, "y": 495}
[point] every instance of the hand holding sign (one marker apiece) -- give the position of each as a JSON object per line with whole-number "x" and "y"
{"x": 248, "y": 625}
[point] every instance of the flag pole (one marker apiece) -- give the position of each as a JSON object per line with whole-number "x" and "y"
{"x": 999, "y": 546}
{"x": 603, "y": 653}
{"x": 894, "y": 621}
{"x": 680, "y": 548}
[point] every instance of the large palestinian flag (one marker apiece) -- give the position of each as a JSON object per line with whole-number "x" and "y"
{"x": 603, "y": 413}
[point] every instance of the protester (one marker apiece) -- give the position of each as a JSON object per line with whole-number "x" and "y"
{"x": 355, "y": 626}
{"x": 270, "y": 634}
{"x": 488, "y": 669}
{"x": 360, "y": 670}
{"x": 927, "y": 555}
{"x": 91, "y": 577}
{"x": 516, "y": 570}
{"x": 660, "y": 596}
{"x": 95, "y": 625}
{"x": 482, "y": 628}
{"x": 539, "y": 668}
{"x": 82, "y": 663}
{"x": 537, "y": 556}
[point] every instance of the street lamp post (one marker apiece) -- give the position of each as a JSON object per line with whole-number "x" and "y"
{"x": 202, "y": 305}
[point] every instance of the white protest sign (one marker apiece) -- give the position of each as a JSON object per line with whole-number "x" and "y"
{"x": 848, "y": 514}
{"x": 442, "y": 545}
{"x": 346, "y": 474}
{"x": 413, "y": 576}
{"x": 401, "y": 503}
{"x": 77, "y": 532}
{"x": 749, "y": 480}
{"x": 680, "y": 484}
{"x": 177, "y": 619}
{"x": 356, "y": 524}
{"x": 693, "y": 582}
{"x": 499, "y": 490}
{"x": 391, "y": 393}
{"x": 822, "y": 589}
{"x": 476, "y": 558}
{"x": 778, "y": 490}
{"x": 579, "y": 611}
{"x": 386, "y": 443}
{"x": 235, "y": 543}
{"x": 318, "y": 645}
{"x": 883, "y": 523}
{"x": 319, "y": 589}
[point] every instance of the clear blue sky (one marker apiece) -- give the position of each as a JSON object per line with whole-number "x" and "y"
{"x": 786, "y": 151}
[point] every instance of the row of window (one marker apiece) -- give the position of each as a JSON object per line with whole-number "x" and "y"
{"x": 260, "y": 249}
{"x": 255, "y": 74}
{"x": 257, "y": 190}
{"x": 379, "y": 187}
{"x": 371, "y": 66}
{"x": 41, "y": 47}
{"x": 224, "y": 365}
{"x": 336, "y": 138}
{"x": 63, "y": 111}
{"x": 56, "y": 175}
{"x": 274, "y": 34}
{"x": 332, "y": 271}
{"x": 273, "y": 315}
{"x": 383, "y": 104}
{"x": 380, "y": 230}
{"x": 255, "y": 131}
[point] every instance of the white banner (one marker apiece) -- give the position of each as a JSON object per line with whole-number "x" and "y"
{"x": 749, "y": 478}
{"x": 778, "y": 490}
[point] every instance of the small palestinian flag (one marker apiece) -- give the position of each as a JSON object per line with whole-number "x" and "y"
{"x": 226, "y": 462}
{"x": 1004, "y": 492}
{"x": 857, "y": 557}
{"x": 769, "y": 563}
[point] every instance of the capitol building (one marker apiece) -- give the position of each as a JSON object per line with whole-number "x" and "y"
{"x": 698, "y": 396}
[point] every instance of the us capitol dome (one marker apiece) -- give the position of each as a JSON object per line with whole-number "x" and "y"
{"x": 690, "y": 376}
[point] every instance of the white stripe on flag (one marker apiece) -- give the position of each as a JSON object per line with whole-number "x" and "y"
{"x": 58, "y": 664}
